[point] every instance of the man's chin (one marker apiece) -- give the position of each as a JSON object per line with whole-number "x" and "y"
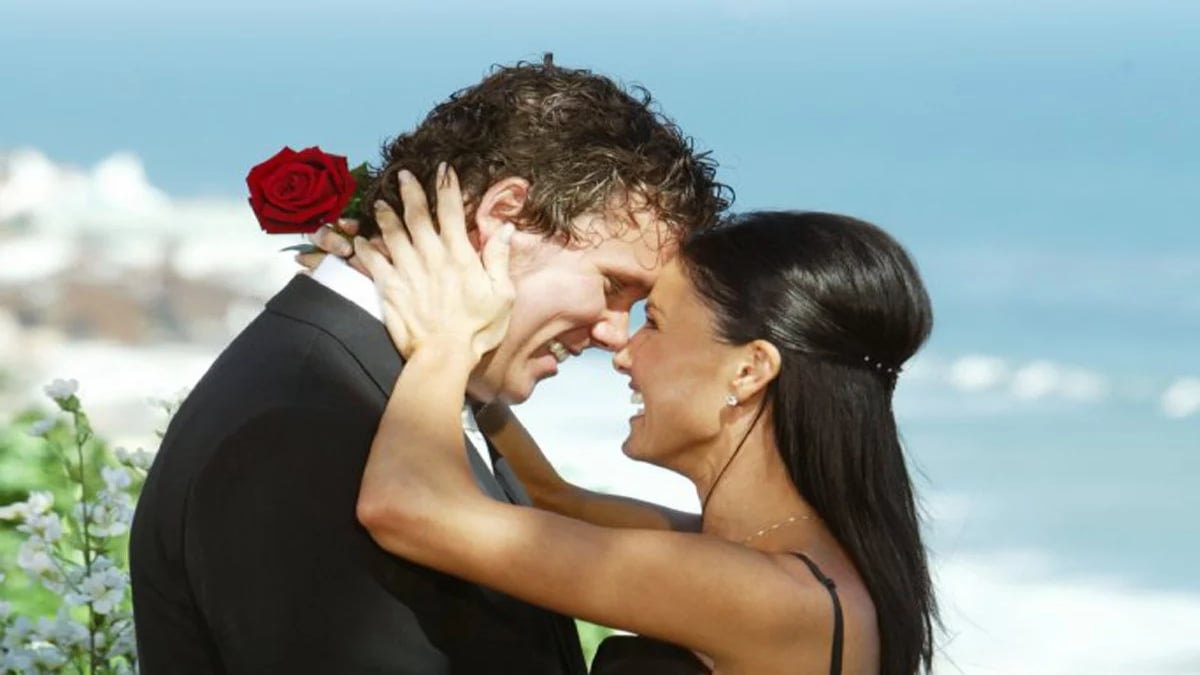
{"x": 516, "y": 393}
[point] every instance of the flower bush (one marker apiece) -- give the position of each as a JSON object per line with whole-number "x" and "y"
{"x": 76, "y": 551}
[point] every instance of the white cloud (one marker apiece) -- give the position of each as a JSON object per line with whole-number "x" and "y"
{"x": 114, "y": 195}
{"x": 1042, "y": 379}
{"x": 1182, "y": 398}
{"x": 1029, "y": 381}
{"x": 37, "y": 255}
{"x": 114, "y": 219}
{"x": 976, "y": 372}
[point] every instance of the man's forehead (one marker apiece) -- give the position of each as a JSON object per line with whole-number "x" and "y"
{"x": 642, "y": 227}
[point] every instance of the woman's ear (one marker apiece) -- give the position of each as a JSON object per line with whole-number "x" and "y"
{"x": 758, "y": 365}
{"x": 501, "y": 204}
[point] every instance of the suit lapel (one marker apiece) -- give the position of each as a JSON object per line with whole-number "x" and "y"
{"x": 489, "y": 484}
{"x": 563, "y": 627}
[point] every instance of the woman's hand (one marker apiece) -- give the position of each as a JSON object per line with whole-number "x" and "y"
{"x": 436, "y": 290}
{"x": 335, "y": 239}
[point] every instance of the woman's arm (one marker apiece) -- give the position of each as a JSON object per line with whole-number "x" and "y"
{"x": 418, "y": 500}
{"x": 550, "y": 491}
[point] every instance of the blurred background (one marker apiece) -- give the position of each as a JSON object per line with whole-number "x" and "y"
{"x": 1040, "y": 160}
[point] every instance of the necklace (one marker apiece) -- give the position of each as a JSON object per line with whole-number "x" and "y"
{"x": 771, "y": 528}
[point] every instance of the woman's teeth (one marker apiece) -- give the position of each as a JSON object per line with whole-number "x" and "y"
{"x": 636, "y": 399}
{"x": 559, "y": 351}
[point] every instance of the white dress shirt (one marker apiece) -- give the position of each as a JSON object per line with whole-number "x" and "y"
{"x": 338, "y": 276}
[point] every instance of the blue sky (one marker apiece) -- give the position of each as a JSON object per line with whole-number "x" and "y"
{"x": 994, "y": 109}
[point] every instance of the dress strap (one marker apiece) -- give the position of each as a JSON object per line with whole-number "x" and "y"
{"x": 835, "y": 661}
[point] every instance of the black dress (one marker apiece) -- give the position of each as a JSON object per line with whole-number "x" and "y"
{"x": 634, "y": 655}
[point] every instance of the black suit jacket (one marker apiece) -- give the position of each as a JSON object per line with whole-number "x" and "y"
{"x": 246, "y": 554}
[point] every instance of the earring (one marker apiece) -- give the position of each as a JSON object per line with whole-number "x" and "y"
{"x": 731, "y": 401}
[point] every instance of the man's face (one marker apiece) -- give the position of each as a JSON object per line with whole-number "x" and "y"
{"x": 572, "y": 297}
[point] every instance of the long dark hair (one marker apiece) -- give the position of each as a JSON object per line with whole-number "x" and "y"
{"x": 845, "y": 306}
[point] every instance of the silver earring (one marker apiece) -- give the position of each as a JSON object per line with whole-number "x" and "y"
{"x": 731, "y": 401}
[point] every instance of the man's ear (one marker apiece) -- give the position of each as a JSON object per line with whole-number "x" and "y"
{"x": 758, "y": 365}
{"x": 501, "y": 204}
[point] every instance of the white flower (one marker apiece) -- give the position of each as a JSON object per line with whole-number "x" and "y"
{"x": 115, "y": 478}
{"x": 104, "y": 588}
{"x": 111, "y": 600}
{"x": 37, "y": 504}
{"x": 138, "y": 459}
{"x": 123, "y": 643}
{"x": 65, "y": 631}
{"x": 34, "y": 559}
{"x": 18, "y": 660}
{"x": 18, "y": 632}
{"x": 49, "y": 657}
{"x": 45, "y": 526}
{"x": 42, "y": 427}
{"x": 40, "y": 502}
{"x": 111, "y": 515}
{"x": 15, "y": 511}
{"x": 61, "y": 390}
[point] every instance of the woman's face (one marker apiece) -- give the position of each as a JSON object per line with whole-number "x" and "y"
{"x": 681, "y": 373}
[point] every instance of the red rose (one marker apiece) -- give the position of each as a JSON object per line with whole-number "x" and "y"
{"x": 299, "y": 191}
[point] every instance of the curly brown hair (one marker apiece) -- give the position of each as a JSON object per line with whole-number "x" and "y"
{"x": 580, "y": 139}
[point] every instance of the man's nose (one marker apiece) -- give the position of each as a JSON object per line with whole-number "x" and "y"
{"x": 612, "y": 332}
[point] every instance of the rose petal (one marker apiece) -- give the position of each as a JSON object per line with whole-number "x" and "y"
{"x": 291, "y": 185}
{"x": 299, "y": 191}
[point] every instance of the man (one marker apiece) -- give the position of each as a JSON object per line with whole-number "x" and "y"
{"x": 246, "y": 554}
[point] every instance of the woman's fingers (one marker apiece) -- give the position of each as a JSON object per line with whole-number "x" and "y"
{"x": 395, "y": 237}
{"x": 332, "y": 241}
{"x": 451, "y": 219}
{"x": 393, "y": 289}
{"x": 373, "y": 260}
{"x": 418, "y": 219}
{"x": 309, "y": 261}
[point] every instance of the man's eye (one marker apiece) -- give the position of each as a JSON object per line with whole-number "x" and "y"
{"x": 612, "y": 286}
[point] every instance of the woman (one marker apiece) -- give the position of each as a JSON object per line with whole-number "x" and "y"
{"x": 766, "y": 368}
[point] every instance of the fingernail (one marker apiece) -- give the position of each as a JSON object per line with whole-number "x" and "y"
{"x": 441, "y": 175}
{"x": 380, "y": 205}
{"x": 405, "y": 177}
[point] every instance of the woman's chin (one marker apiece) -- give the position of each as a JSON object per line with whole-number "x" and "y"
{"x": 633, "y": 445}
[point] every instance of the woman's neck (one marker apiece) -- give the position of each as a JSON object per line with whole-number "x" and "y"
{"x": 753, "y": 493}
